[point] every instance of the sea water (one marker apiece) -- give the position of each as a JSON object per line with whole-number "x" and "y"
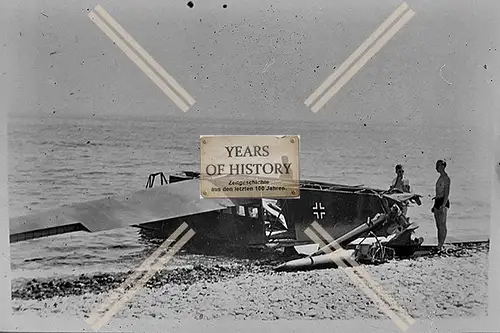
{"x": 61, "y": 159}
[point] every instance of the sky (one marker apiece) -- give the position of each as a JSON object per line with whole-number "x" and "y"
{"x": 256, "y": 59}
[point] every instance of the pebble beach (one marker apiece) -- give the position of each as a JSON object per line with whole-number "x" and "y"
{"x": 449, "y": 285}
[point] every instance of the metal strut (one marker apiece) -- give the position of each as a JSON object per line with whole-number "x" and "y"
{"x": 152, "y": 177}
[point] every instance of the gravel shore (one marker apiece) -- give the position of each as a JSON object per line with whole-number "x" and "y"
{"x": 452, "y": 285}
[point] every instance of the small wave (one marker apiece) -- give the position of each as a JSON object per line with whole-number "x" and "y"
{"x": 68, "y": 144}
{"x": 70, "y": 258}
{"x": 46, "y": 181}
{"x": 130, "y": 165}
{"x": 66, "y": 182}
{"x": 122, "y": 246}
{"x": 125, "y": 173}
{"x": 34, "y": 259}
{"x": 94, "y": 173}
{"x": 65, "y": 246}
{"x": 60, "y": 170}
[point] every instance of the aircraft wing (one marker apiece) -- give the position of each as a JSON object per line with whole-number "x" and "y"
{"x": 154, "y": 204}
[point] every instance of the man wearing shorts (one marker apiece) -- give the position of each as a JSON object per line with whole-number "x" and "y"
{"x": 441, "y": 202}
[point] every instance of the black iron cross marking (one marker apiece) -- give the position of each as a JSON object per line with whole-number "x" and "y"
{"x": 318, "y": 210}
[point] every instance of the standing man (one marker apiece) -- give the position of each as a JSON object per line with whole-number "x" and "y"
{"x": 400, "y": 182}
{"x": 441, "y": 202}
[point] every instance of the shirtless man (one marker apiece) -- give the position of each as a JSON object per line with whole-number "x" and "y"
{"x": 400, "y": 182}
{"x": 441, "y": 202}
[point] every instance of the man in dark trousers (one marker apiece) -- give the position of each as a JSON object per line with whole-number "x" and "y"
{"x": 441, "y": 202}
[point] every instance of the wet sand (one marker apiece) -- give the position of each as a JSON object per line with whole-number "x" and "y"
{"x": 452, "y": 285}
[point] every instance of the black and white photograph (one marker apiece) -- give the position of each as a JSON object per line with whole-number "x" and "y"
{"x": 386, "y": 112}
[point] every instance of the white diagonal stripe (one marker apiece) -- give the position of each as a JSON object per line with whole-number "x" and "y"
{"x": 360, "y": 270}
{"x": 123, "y": 300}
{"x": 118, "y": 292}
{"x": 362, "y": 48}
{"x": 141, "y": 58}
{"x": 375, "y": 287}
{"x": 145, "y": 266}
{"x": 363, "y": 60}
{"x": 356, "y": 279}
{"x": 118, "y": 297}
{"x": 139, "y": 62}
{"x": 383, "y": 37}
{"x": 145, "y": 55}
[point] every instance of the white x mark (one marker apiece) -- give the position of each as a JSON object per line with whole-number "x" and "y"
{"x": 183, "y": 100}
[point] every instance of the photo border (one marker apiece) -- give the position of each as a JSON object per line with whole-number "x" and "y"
{"x": 456, "y": 324}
